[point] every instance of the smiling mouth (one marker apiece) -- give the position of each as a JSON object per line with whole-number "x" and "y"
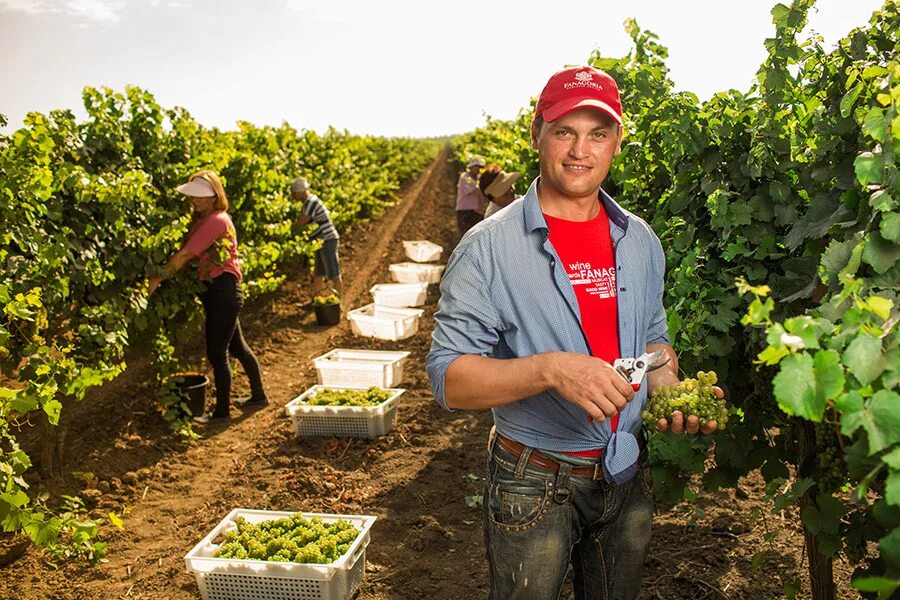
{"x": 581, "y": 168}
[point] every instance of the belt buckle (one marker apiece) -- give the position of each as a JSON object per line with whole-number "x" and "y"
{"x": 598, "y": 472}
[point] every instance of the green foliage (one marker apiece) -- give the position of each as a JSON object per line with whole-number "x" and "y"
{"x": 790, "y": 188}
{"x": 89, "y": 211}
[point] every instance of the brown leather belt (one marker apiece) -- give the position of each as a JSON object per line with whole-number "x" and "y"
{"x": 545, "y": 462}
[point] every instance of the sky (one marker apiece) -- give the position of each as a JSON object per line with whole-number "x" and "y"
{"x": 390, "y": 67}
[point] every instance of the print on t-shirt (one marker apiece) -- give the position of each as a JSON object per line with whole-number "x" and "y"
{"x": 601, "y": 282}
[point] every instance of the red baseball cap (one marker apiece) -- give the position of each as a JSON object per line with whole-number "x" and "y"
{"x": 579, "y": 87}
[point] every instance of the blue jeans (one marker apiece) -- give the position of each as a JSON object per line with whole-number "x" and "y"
{"x": 536, "y": 522}
{"x": 327, "y": 264}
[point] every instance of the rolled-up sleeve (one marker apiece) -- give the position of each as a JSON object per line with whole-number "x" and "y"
{"x": 466, "y": 321}
{"x": 658, "y": 329}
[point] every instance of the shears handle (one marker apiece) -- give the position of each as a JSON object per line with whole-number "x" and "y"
{"x": 634, "y": 386}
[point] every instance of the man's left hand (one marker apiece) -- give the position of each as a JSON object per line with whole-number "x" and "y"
{"x": 693, "y": 422}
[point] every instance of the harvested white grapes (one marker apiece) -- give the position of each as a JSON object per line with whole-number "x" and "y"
{"x": 690, "y": 397}
{"x": 291, "y": 539}
{"x": 370, "y": 397}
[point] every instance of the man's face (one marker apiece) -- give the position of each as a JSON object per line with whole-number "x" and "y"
{"x": 576, "y": 152}
{"x": 302, "y": 196}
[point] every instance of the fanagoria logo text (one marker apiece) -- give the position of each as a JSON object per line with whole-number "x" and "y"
{"x": 583, "y": 79}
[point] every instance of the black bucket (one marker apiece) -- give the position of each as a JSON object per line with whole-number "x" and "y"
{"x": 192, "y": 389}
{"x": 327, "y": 314}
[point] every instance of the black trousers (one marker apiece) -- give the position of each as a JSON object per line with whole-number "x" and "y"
{"x": 222, "y": 301}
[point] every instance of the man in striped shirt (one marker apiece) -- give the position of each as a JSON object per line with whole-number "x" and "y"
{"x": 328, "y": 267}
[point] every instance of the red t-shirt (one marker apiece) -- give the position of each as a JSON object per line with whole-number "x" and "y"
{"x": 586, "y": 252}
{"x": 213, "y": 241}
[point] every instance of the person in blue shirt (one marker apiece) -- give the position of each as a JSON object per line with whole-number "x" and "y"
{"x": 536, "y": 303}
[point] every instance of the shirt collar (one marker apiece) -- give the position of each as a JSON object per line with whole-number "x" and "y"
{"x": 534, "y": 217}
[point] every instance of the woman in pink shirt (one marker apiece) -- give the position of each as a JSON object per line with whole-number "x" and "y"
{"x": 211, "y": 239}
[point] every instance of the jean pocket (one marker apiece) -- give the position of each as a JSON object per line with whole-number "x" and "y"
{"x": 517, "y": 507}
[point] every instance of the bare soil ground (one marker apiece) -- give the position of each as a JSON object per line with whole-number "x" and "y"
{"x": 427, "y": 542}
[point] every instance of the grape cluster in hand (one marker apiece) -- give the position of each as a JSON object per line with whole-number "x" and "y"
{"x": 691, "y": 397}
{"x": 291, "y": 539}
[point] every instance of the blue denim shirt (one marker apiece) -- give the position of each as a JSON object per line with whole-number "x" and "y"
{"x": 504, "y": 294}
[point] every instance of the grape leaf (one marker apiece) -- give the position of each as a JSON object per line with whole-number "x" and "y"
{"x": 875, "y": 125}
{"x": 889, "y": 547}
{"x": 880, "y": 306}
{"x": 881, "y": 420}
{"x": 780, "y": 14}
{"x": 892, "y": 487}
{"x": 868, "y": 168}
{"x": 43, "y": 532}
{"x": 864, "y": 359}
{"x": 837, "y": 255}
{"x": 805, "y": 328}
{"x": 852, "y": 406}
{"x": 850, "y": 98}
{"x": 804, "y": 384}
{"x": 890, "y": 227}
{"x": 885, "y": 586}
{"x": 882, "y": 201}
{"x": 790, "y": 497}
{"x": 880, "y": 253}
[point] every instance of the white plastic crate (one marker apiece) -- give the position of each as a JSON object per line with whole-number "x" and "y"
{"x": 410, "y": 272}
{"x": 385, "y": 322}
{"x": 422, "y": 250}
{"x": 232, "y": 579}
{"x": 400, "y": 294}
{"x": 361, "y": 368}
{"x": 342, "y": 421}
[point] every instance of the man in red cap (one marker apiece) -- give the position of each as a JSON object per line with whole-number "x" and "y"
{"x": 537, "y": 302}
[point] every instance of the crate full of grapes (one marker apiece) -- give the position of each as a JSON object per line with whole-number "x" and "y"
{"x": 260, "y": 554}
{"x": 344, "y": 411}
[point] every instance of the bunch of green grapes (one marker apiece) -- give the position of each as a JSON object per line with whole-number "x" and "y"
{"x": 370, "y": 397}
{"x": 291, "y": 539}
{"x": 829, "y": 458}
{"x": 691, "y": 397}
{"x": 326, "y": 300}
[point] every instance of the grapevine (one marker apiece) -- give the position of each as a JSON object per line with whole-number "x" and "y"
{"x": 89, "y": 212}
{"x": 690, "y": 397}
{"x": 290, "y": 539}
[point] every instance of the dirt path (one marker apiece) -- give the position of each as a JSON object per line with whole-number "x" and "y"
{"x": 427, "y": 541}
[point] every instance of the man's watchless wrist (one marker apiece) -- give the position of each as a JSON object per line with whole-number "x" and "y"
{"x": 548, "y": 369}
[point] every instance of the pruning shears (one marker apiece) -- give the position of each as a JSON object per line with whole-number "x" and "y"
{"x": 633, "y": 370}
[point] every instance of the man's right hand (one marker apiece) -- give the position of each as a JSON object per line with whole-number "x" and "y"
{"x": 589, "y": 382}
